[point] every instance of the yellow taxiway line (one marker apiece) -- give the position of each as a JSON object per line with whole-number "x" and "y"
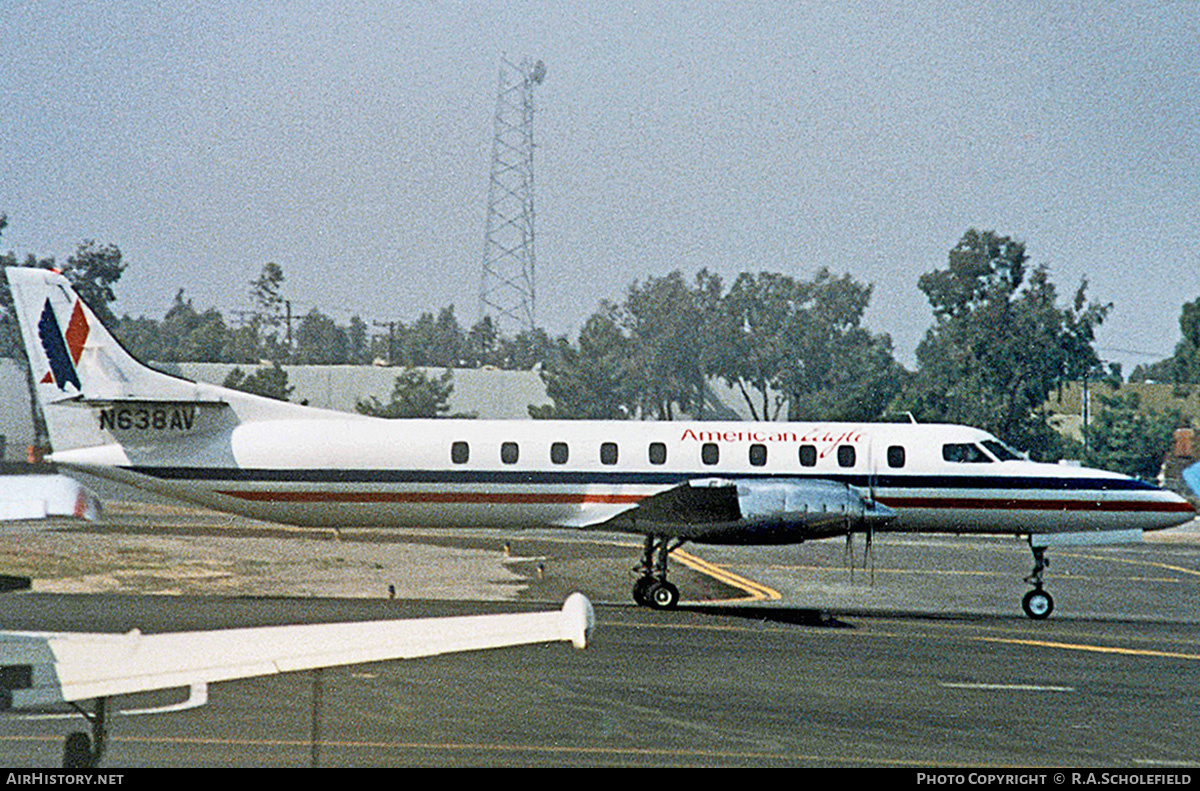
{"x": 1098, "y": 649}
{"x": 754, "y": 591}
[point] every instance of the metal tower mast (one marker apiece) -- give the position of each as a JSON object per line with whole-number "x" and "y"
{"x": 506, "y": 289}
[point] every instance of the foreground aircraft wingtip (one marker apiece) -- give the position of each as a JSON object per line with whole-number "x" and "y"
{"x": 1191, "y": 476}
{"x": 579, "y": 618}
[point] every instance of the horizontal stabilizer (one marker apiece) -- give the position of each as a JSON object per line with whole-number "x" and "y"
{"x": 130, "y": 403}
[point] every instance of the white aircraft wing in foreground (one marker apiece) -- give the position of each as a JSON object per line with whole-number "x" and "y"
{"x": 44, "y": 668}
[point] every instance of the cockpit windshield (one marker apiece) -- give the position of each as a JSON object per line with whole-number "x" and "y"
{"x": 1000, "y": 450}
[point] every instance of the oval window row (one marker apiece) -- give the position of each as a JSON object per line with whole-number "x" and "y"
{"x": 656, "y": 453}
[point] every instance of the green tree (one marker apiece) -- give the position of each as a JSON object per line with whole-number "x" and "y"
{"x": 266, "y": 293}
{"x": 750, "y": 349}
{"x": 244, "y": 344}
{"x": 1124, "y": 438}
{"x": 93, "y": 269}
{"x": 415, "y": 395}
{"x": 800, "y": 344}
{"x": 143, "y": 338}
{"x": 1182, "y": 367}
{"x": 358, "y": 341}
{"x": 587, "y": 381}
{"x": 1000, "y": 343}
{"x": 434, "y": 342}
{"x": 666, "y": 322}
{"x": 482, "y": 344}
{"x": 319, "y": 341}
{"x": 525, "y": 350}
{"x": 859, "y": 383}
{"x": 188, "y": 336}
{"x": 270, "y": 381}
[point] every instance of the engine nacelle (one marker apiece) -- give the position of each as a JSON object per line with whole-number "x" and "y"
{"x": 790, "y": 511}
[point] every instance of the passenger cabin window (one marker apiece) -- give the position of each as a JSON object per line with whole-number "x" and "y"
{"x": 657, "y": 453}
{"x": 846, "y": 456}
{"x": 758, "y": 455}
{"x": 559, "y": 452}
{"x": 808, "y": 455}
{"x": 460, "y": 452}
{"x": 964, "y": 453}
{"x": 608, "y": 453}
{"x": 710, "y": 453}
{"x": 895, "y": 456}
{"x": 509, "y": 452}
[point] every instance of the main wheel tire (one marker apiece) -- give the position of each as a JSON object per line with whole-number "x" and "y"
{"x": 663, "y": 595}
{"x": 641, "y": 591}
{"x": 77, "y": 751}
{"x": 1038, "y": 604}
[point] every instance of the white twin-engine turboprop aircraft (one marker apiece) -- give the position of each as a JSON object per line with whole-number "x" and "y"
{"x": 719, "y": 483}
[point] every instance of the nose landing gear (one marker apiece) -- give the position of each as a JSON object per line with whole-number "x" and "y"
{"x": 1037, "y": 604}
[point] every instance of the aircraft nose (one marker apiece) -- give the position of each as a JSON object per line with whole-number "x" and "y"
{"x": 1179, "y": 509}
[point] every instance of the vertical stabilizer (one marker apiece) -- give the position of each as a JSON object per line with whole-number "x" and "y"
{"x": 76, "y": 363}
{"x": 71, "y": 354}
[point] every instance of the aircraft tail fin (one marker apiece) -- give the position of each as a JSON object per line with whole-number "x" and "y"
{"x": 76, "y": 362}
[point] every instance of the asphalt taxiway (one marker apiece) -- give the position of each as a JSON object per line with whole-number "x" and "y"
{"x": 918, "y": 656}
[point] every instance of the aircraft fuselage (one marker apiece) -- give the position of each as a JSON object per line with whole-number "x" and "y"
{"x": 356, "y": 471}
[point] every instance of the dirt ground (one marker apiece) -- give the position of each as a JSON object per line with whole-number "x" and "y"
{"x": 160, "y": 549}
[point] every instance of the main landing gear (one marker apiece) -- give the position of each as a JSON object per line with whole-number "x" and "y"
{"x": 1037, "y": 604}
{"x": 652, "y": 588}
{"x": 81, "y": 752}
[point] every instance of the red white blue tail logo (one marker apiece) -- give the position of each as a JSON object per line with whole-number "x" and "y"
{"x": 63, "y": 350}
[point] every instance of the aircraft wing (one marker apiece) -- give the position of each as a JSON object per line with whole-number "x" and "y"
{"x": 38, "y": 669}
{"x": 748, "y": 511}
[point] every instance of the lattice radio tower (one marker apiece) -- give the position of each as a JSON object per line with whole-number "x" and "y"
{"x": 506, "y": 291}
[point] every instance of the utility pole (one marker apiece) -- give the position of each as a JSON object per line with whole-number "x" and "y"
{"x": 506, "y": 290}
{"x": 391, "y": 347}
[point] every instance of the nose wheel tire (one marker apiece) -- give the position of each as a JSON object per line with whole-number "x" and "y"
{"x": 1037, "y": 604}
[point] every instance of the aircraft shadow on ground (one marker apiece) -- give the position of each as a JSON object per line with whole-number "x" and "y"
{"x": 9, "y": 583}
{"x": 799, "y": 616}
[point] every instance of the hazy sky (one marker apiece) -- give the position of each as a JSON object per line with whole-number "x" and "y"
{"x": 350, "y": 143}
